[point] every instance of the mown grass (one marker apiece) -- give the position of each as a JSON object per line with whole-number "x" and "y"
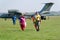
{"x": 49, "y": 30}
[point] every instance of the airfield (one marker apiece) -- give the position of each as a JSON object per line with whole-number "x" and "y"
{"x": 49, "y": 30}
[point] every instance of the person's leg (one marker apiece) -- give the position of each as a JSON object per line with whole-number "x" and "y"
{"x": 38, "y": 26}
{"x": 14, "y": 22}
{"x": 24, "y": 24}
{"x": 35, "y": 25}
{"x": 22, "y": 27}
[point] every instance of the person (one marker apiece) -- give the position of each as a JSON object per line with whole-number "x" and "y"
{"x": 14, "y": 19}
{"x": 22, "y": 22}
{"x": 36, "y": 20}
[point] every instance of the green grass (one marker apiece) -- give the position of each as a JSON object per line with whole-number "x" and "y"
{"x": 49, "y": 30}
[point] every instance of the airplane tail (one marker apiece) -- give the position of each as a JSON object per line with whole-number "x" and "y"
{"x": 47, "y": 7}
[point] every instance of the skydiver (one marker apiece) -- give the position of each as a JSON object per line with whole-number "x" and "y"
{"x": 36, "y": 20}
{"x": 22, "y": 22}
{"x": 14, "y": 19}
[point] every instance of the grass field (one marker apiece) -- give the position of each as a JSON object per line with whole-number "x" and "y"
{"x": 49, "y": 30}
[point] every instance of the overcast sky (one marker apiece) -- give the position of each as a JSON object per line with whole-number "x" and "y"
{"x": 27, "y": 5}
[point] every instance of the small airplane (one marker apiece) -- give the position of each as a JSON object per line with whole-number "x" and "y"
{"x": 44, "y": 12}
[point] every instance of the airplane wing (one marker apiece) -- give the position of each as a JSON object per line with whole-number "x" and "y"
{"x": 10, "y": 14}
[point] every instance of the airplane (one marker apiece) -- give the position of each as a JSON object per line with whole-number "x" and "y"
{"x": 44, "y": 12}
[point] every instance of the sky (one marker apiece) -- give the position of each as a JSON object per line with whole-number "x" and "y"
{"x": 27, "y": 5}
